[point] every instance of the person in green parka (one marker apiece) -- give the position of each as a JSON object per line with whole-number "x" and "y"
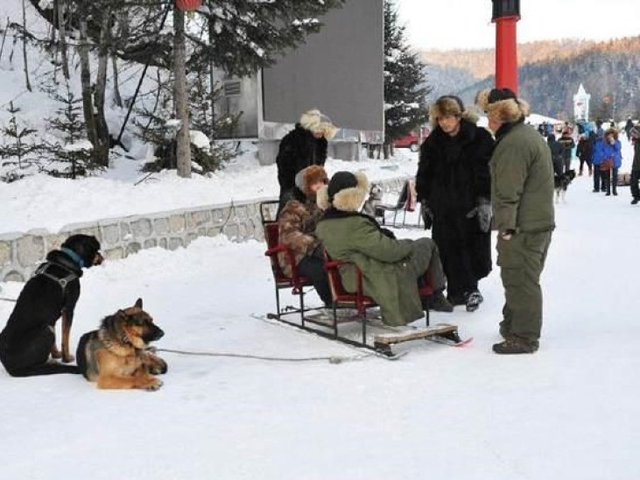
{"x": 523, "y": 213}
{"x": 391, "y": 268}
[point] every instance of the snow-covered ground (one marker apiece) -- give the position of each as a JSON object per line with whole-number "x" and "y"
{"x": 570, "y": 411}
{"x": 41, "y": 201}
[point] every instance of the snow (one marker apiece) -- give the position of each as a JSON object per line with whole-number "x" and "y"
{"x": 50, "y": 203}
{"x": 569, "y": 411}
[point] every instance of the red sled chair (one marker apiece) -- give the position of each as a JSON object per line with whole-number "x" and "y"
{"x": 296, "y": 282}
{"x": 358, "y": 300}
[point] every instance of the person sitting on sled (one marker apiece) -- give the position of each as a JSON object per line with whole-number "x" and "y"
{"x": 296, "y": 229}
{"x": 391, "y": 268}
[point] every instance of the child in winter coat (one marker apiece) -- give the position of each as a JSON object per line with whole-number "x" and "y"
{"x": 610, "y": 150}
{"x": 296, "y": 229}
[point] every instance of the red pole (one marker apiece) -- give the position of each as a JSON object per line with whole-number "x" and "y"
{"x": 507, "y": 53}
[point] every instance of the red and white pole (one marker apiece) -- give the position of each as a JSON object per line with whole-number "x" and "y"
{"x": 506, "y": 14}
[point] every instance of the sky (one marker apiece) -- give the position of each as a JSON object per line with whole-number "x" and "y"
{"x": 453, "y": 24}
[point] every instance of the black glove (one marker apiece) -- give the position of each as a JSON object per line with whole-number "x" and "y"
{"x": 483, "y": 212}
{"x": 427, "y": 216}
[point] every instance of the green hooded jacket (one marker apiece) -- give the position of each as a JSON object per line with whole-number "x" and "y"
{"x": 522, "y": 181}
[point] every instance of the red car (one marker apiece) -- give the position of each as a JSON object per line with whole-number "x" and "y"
{"x": 413, "y": 140}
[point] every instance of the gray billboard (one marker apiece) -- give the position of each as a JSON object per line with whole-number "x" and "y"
{"x": 339, "y": 71}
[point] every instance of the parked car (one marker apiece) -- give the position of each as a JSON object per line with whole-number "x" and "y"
{"x": 413, "y": 140}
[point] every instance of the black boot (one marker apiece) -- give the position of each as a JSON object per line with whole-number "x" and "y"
{"x": 438, "y": 303}
{"x": 474, "y": 299}
{"x": 515, "y": 346}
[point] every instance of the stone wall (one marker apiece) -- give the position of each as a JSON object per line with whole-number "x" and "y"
{"x": 20, "y": 253}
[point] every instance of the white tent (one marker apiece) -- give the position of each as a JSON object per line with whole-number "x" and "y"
{"x": 533, "y": 119}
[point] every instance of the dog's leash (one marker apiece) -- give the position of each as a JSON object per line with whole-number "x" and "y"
{"x": 8, "y": 299}
{"x": 335, "y": 359}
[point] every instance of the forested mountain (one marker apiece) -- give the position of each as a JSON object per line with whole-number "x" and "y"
{"x": 550, "y": 74}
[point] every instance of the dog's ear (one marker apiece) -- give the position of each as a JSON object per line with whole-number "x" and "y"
{"x": 138, "y": 303}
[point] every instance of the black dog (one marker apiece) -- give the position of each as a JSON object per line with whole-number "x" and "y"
{"x": 29, "y": 336}
{"x": 561, "y": 183}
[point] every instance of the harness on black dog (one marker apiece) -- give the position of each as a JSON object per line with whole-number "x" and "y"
{"x": 63, "y": 282}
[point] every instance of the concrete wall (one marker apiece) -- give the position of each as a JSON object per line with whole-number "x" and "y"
{"x": 20, "y": 253}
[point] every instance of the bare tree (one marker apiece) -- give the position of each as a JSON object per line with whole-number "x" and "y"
{"x": 183, "y": 148}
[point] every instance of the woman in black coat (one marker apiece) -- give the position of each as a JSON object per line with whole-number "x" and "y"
{"x": 453, "y": 184}
{"x": 303, "y": 146}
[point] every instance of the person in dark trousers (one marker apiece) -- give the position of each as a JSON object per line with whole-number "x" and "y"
{"x": 453, "y": 186}
{"x": 585, "y": 151}
{"x": 557, "y": 154}
{"x": 522, "y": 199}
{"x": 567, "y": 143}
{"x": 305, "y": 145}
{"x": 627, "y": 128}
{"x": 596, "y": 160}
{"x": 635, "y": 168}
{"x": 610, "y": 160}
{"x": 296, "y": 229}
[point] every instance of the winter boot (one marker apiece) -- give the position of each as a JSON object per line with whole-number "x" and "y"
{"x": 635, "y": 201}
{"x": 474, "y": 299}
{"x": 515, "y": 346}
{"x": 457, "y": 299}
{"x": 438, "y": 303}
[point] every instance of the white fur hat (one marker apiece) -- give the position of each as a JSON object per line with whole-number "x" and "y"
{"x": 316, "y": 122}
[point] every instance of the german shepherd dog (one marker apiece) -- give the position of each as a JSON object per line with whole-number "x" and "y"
{"x": 117, "y": 355}
{"x": 29, "y": 339}
{"x": 561, "y": 183}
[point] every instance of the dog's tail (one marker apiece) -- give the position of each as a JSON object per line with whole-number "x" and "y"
{"x": 44, "y": 369}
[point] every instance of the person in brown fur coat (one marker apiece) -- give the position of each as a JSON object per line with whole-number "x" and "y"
{"x": 296, "y": 226}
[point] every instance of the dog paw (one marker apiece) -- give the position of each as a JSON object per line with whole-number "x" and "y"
{"x": 68, "y": 358}
{"x": 56, "y": 355}
{"x": 154, "y": 385}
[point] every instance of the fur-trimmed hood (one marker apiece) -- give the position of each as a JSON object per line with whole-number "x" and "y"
{"x": 450, "y": 105}
{"x": 508, "y": 110}
{"x": 316, "y": 122}
{"x": 345, "y": 199}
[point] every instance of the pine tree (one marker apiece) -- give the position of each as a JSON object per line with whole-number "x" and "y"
{"x": 404, "y": 81}
{"x": 69, "y": 125}
{"x": 19, "y": 152}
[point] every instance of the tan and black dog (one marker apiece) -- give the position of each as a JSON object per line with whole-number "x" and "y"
{"x": 28, "y": 341}
{"x": 117, "y": 355}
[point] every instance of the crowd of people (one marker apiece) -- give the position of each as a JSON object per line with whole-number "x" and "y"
{"x": 599, "y": 150}
{"x": 467, "y": 181}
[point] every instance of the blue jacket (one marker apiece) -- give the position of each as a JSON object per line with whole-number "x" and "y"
{"x": 608, "y": 150}
{"x": 597, "y": 151}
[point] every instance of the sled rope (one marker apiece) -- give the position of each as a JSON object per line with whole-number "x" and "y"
{"x": 335, "y": 359}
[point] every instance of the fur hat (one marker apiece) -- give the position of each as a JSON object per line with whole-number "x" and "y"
{"x": 316, "y": 122}
{"x": 502, "y": 105}
{"x": 346, "y": 191}
{"x": 449, "y": 105}
{"x": 308, "y": 176}
{"x": 611, "y": 131}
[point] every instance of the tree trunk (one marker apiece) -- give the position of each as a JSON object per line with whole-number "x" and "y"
{"x": 24, "y": 46}
{"x": 85, "y": 80}
{"x": 63, "y": 39}
{"x": 117, "y": 98}
{"x": 102, "y": 130}
{"x": 183, "y": 148}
